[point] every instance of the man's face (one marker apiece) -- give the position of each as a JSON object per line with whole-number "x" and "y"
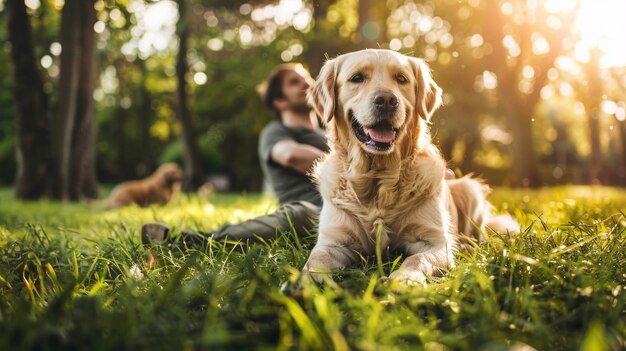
{"x": 294, "y": 88}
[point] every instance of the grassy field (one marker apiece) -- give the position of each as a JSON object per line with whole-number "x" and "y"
{"x": 76, "y": 277}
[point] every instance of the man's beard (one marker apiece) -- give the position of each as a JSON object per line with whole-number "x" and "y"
{"x": 300, "y": 107}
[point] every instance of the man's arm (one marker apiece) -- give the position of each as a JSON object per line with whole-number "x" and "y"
{"x": 299, "y": 157}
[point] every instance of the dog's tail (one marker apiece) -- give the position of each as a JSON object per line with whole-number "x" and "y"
{"x": 474, "y": 211}
{"x": 503, "y": 223}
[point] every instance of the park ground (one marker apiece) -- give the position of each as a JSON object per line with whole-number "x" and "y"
{"x": 76, "y": 277}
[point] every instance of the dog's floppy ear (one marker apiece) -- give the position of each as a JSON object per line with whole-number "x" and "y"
{"x": 321, "y": 96}
{"x": 428, "y": 92}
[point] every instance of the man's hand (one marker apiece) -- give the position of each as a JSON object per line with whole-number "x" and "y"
{"x": 300, "y": 157}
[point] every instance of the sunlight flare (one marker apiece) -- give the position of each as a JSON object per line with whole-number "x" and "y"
{"x": 600, "y": 24}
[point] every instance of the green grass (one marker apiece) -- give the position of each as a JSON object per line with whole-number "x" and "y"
{"x": 67, "y": 283}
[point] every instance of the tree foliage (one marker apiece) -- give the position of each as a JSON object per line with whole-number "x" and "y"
{"x": 518, "y": 95}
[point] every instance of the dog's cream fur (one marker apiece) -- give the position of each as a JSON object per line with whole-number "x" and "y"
{"x": 399, "y": 194}
{"x": 158, "y": 188}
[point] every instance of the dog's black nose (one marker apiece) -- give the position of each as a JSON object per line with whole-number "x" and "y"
{"x": 385, "y": 101}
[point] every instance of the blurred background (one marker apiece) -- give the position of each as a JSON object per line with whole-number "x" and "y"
{"x": 97, "y": 92}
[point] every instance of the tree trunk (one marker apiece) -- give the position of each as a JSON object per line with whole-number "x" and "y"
{"x": 525, "y": 165}
{"x": 517, "y": 106}
{"x": 193, "y": 173}
{"x": 472, "y": 142}
{"x": 63, "y": 123}
{"x": 518, "y": 115}
{"x": 470, "y": 120}
{"x": 372, "y": 23}
{"x": 120, "y": 118}
{"x": 593, "y": 102}
{"x": 82, "y": 175}
{"x": 595, "y": 172}
{"x": 319, "y": 46}
{"x": 31, "y": 102}
{"x": 146, "y": 119}
{"x": 621, "y": 169}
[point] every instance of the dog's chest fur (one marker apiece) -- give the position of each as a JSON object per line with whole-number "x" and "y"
{"x": 381, "y": 194}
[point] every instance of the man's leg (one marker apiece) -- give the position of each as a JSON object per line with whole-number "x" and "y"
{"x": 301, "y": 215}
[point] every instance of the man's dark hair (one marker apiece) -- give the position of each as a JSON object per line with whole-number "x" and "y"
{"x": 272, "y": 89}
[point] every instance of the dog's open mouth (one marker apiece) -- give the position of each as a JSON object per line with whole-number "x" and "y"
{"x": 379, "y": 137}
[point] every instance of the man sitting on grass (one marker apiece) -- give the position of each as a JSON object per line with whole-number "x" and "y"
{"x": 288, "y": 149}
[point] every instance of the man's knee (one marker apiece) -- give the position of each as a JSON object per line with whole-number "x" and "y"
{"x": 301, "y": 213}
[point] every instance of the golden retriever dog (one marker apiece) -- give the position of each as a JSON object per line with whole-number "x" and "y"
{"x": 383, "y": 181}
{"x": 158, "y": 188}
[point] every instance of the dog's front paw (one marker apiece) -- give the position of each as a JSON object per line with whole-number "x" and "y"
{"x": 408, "y": 277}
{"x": 318, "y": 276}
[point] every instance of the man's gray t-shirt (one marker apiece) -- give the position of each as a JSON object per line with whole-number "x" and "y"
{"x": 288, "y": 184}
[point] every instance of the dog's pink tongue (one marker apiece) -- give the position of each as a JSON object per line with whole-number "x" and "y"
{"x": 381, "y": 135}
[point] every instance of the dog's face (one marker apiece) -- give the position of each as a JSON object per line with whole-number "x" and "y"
{"x": 170, "y": 174}
{"x": 375, "y": 98}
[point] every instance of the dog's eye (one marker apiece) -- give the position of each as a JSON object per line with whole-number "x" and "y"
{"x": 357, "y": 78}
{"x": 400, "y": 78}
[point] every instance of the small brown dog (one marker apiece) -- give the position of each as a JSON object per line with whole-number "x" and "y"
{"x": 158, "y": 188}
